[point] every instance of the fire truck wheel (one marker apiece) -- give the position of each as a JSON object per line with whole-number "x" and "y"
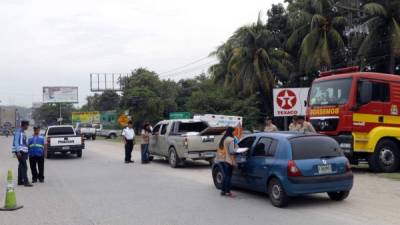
{"x": 386, "y": 157}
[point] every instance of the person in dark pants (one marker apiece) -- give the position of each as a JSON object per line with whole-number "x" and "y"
{"x": 20, "y": 148}
{"x": 128, "y": 134}
{"x": 146, "y": 133}
{"x": 225, "y": 156}
{"x": 37, "y": 152}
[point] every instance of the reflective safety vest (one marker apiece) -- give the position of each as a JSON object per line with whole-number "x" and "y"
{"x": 36, "y": 146}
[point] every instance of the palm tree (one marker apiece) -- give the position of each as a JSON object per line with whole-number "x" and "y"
{"x": 318, "y": 26}
{"x": 253, "y": 63}
{"x": 383, "y": 39}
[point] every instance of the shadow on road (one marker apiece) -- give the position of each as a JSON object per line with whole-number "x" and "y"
{"x": 63, "y": 157}
{"x": 189, "y": 165}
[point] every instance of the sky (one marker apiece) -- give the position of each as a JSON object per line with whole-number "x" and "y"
{"x": 59, "y": 43}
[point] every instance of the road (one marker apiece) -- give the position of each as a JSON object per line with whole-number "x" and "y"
{"x": 100, "y": 189}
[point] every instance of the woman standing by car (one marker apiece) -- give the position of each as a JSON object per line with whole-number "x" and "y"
{"x": 146, "y": 132}
{"x": 227, "y": 160}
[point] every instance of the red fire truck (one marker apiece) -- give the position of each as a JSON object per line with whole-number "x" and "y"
{"x": 361, "y": 111}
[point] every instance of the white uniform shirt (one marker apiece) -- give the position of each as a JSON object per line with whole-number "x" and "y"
{"x": 128, "y": 133}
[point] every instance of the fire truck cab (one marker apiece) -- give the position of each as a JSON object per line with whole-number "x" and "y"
{"x": 361, "y": 111}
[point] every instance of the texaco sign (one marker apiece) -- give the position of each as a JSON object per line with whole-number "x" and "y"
{"x": 290, "y": 101}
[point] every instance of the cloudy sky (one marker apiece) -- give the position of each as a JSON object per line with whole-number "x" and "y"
{"x": 57, "y": 43}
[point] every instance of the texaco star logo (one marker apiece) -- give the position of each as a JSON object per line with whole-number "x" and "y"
{"x": 286, "y": 99}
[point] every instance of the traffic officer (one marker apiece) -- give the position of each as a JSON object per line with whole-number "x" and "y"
{"x": 270, "y": 126}
{"x": 304, "y": 126}
{"x": 128, "y": 134}
{"x": 37, "y": 152}
{"x": 20, "y": 148}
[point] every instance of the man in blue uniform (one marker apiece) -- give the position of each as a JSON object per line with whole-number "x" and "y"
{"x": 37, "y": 153}
{"x": 20, "y": 148}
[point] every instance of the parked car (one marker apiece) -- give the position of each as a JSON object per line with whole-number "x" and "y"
{"x": 285, "y": 164}
{"x": 107, "y": 133}
{"x": 63, "y": 139}
{"x": 178, "y": 140}
{"x": 87, "y": 130}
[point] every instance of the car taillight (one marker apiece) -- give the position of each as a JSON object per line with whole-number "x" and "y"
{"x": 185, "y": 142}
{"x": 292, "y": 169}
{"x": 348, "y": 166}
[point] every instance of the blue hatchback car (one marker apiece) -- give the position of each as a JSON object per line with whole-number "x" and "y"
{"x": 286, "y": 164}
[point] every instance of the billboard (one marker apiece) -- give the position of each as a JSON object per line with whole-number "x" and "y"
{"x": 60, "y": 94}
{"x": 290, "y": 101}
{"x": 86, "y": 117}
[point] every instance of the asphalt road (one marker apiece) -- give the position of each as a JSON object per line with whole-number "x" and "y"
{"x": 101, "y": 189}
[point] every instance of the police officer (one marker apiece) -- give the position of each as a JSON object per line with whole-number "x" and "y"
{"x": 37, "y": 153}
{"x": 20, "y": 148}
{"x": 270, "y": 126}
{"x": 128, "y": 134}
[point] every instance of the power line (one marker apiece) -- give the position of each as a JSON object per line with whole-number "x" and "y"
{"x": 186, "y": 65}
{"x": 192, "y": 69}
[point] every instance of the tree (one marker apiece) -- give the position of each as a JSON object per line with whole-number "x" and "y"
{"x": 318, "y": 25}
{"x": 257, "y": 63}
{"x": 381, "y": 47}
{"x": 48, "y": 114}
{"x": 108, "y": 100}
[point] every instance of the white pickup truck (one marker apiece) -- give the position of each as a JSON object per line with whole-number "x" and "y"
{"x": 63, "y": 139}
{"x": 87, "y": 130}
{"x": 178, "y": 140}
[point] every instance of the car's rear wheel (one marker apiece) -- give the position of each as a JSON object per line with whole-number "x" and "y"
{"x": 386, "y": 157}
{"x": 79, "y": 153}
{"x": 339, "y": 195}
{"x": 49, "y": 155}
{"x": 218, "y": 177}
{"x": 277, "y": 193}
{"x": 173, "y": 158}
{"x": 113, "y": 136}
{"x": 94, "y": 137}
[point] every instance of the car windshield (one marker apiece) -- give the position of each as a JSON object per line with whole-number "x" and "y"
{"x": 61, "y": 131}
{"x": 314, "y": 147}
{"x": 332, "y": 92}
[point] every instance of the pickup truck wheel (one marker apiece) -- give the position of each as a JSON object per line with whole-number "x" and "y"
{"x": 173, "y": 158}
{"x": 94, "y": 137}
{"x": 277, "y": 193}
{"x": 386, "y": 157}
{"x": 79, "y": 153}
{"x": 112, "y": 136}
{"x": 49, "y": 155}
{"x": 218, "y": 177}
{"x": 338, "y": 196}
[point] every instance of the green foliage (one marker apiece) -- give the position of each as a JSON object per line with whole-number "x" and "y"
{"x": 48, "y": 114}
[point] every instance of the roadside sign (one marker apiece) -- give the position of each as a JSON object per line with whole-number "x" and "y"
{"x": 290, "y": 101}
{"x": 123, "y": 120}
{"x": 180, "y": 115}
{"x": 60, "y": 94}
{"x": 221, "y": 120}
{"x": 86, "y": 117}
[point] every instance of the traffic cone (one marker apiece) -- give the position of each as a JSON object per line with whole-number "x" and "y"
{"x": 10, "y": 202}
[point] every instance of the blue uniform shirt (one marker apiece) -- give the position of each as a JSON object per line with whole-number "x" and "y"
{"x": 36, "y": 146}
{"x": 19, "y": 142}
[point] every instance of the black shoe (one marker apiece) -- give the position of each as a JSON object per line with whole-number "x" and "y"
{"x": 126, "y": 161}
{"x": 131, "y": 161}
{"x": 28, "y": 185}
{"x": 34, "y": 181}
{"x": 223, "y": 193}
{"x": 41, "y": 180}
{"x": 19, "y": 183}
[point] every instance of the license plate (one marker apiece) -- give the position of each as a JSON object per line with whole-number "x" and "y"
{"x": 207, "y": 139}
{"x": 325, "y": 169}
{"x": 65, "y": 148}
{"x": 209, "y": 154}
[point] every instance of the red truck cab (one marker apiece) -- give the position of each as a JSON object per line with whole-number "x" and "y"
{"x": 361, "y": 111}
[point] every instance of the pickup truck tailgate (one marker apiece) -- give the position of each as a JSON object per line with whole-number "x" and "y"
{"x": 207, "y": 140}
{"x": 61, "y": 141}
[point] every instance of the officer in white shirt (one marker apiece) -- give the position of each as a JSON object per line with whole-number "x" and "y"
{"x": 128, "y": 134}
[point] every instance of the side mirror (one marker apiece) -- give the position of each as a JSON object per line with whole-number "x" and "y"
{"x": 365, "y": 92}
